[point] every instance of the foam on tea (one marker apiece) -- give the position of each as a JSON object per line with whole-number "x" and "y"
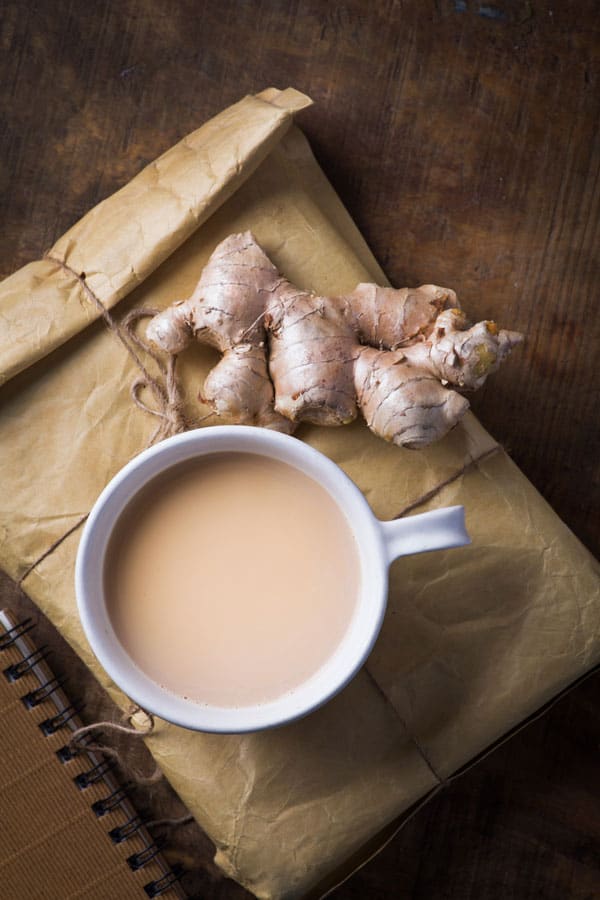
{"x": 231, "y": 579}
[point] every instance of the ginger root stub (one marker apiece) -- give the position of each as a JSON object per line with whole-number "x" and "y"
{"x": 292, "y": 356}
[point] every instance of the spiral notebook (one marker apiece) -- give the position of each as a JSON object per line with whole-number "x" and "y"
{"x": 67, "y": 827}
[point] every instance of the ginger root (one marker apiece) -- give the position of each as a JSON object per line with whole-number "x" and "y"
{"x": 291, "y": 356}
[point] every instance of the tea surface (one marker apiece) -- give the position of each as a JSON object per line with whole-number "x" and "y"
{"x": 231, "y": 579}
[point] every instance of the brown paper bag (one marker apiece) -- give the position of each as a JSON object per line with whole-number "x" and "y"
{"x": 474, "y": 641}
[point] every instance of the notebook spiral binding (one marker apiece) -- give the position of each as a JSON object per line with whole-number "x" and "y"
{"x": 67, "y": 716}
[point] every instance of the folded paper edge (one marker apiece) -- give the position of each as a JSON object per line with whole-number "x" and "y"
{"x": 17, "y": 350}
{"x": 389, "y": 832}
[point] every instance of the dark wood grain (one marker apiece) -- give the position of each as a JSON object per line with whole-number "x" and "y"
{"x": 463, "y": 137}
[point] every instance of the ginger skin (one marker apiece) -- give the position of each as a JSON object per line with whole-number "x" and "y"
{"x": 291, "y": 356}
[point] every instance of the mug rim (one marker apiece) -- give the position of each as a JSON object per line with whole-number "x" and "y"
{"x": 340, "y": 667}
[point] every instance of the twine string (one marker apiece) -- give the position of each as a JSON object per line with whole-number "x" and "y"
{"x": 434, "y": 491}
{"x": 170, "y": 406}
{"x": 77, "y": 746}
{"x": 168, "y": 398}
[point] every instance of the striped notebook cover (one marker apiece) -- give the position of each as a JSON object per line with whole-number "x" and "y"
{"x": 67, "y": 827}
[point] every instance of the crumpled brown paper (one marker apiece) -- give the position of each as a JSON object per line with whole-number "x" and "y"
{"x": 474, "y": 641}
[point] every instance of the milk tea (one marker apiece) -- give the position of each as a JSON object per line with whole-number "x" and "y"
{"x": 231, "y": 579}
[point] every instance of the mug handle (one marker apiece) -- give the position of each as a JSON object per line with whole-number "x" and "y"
{"x": 438, "y": 529}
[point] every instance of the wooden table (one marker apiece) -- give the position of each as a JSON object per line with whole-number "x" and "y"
{"x": 463, "y": 138}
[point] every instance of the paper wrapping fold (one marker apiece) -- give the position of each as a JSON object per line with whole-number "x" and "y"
{"x": 122, "y": 240}
{"x": 474, "y": 640}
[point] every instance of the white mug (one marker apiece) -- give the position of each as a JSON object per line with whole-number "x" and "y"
{"x": 378, "y": 543}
